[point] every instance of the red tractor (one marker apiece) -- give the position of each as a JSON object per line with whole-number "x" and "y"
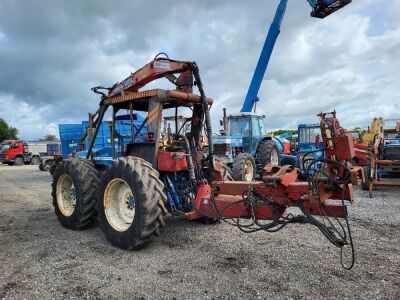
{"x": 146, "y": 180}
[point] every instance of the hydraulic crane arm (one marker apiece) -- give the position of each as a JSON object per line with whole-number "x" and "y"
{"x": 321, "y": 9}
{"x": 156, "y": 69}
{"x": 159, "y": 67}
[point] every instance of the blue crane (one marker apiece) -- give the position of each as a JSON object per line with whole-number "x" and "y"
{"x": 321, "y": 9}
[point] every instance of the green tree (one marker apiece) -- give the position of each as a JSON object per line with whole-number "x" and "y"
{"x": 281, "y": 131}
{"x": 7, "y": 132}
{"x": 49, "y": 137}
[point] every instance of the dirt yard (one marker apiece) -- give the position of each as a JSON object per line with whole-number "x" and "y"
{"x": 40, "y": 259}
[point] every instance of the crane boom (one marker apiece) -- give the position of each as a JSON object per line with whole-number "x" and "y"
{"x": 265, "y": 55}
{"x": 321, "y": 9}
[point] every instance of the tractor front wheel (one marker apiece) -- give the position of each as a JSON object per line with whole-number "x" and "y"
{"x": 244, "y": 167}
{"x": 131, "y": 203}
{"x": 74, "y": 193}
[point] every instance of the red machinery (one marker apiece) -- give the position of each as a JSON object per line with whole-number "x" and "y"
{"x": 148, "y": 179}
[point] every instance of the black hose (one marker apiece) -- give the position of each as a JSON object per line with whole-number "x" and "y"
{"x": 204, "y": 101}
{"x": 192, "y": 174}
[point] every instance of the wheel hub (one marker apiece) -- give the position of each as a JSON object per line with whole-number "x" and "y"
{"x": 274, "y": 157}
{"x": 66, "y": 195}
{"x": 248, "y": 171}
{"x": 119, "y": 204}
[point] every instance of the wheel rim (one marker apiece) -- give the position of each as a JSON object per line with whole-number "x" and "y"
{"x": 66, "y": 195}
{"x": 274, "y": 157}
{"x": 248, "y": 171}
{"x": 119, "y": 204}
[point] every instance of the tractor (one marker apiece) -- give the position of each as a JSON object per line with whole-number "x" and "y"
{"x": 244, "y": 147}
{"x": 244, "y": 143}
{"x": 148, "y": 180}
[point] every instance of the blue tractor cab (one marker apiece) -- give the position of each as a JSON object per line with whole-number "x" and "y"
{"x": 309, "y": 150}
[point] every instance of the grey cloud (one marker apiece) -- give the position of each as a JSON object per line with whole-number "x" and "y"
{"x": 52, "y": 52}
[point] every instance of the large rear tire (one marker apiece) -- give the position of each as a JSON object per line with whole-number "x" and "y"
{"x": 75, "y": 183}
{"x": 244, "y": 167}
{"x": 268, "y": 153}
{"x": 131, "y": 203}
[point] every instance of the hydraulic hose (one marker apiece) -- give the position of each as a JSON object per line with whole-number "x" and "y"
{"x": 204, "y": 101}
{"x": 192, "y": 174}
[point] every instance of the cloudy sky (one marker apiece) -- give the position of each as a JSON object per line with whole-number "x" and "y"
{"x": 53, "y": 52}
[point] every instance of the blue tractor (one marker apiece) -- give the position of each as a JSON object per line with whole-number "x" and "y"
{"x": 309, "y": 148}
{"x": 243, "y": 141}
{"x": 244, "y": 146}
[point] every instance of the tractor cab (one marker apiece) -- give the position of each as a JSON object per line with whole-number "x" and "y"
{"x": 310, "y": 146}
{"x": 243, "y": 133}
{"x": 247, "y": 127}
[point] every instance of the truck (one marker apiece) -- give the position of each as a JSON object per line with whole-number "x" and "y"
{"x": 18, "y": 152}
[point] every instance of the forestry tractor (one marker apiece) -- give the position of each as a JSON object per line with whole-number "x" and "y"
{"x": 148, "y": 180}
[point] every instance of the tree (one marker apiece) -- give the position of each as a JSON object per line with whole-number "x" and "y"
{"x": 7, "y": 132}
{"x": 49, "y": 137}
{"x": 281, "y": 131}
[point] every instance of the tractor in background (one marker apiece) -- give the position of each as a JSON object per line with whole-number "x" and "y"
{"x": 383, "y": 167}
{"x": 147, "y": 180}
{"x": 244, "y": 146}
{"x": 244, "y": 143}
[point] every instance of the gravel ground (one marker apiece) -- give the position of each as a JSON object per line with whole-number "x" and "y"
{"x": 40, "y": 259}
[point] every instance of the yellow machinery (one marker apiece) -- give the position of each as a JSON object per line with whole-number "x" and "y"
{"x": 376, "y": 129}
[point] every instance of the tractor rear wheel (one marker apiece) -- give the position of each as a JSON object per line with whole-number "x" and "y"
{"x": 268, "y": 153}
{"x": 75, "y": 183}
{"x": 244, "y": 167}
{"x": 131, "y": 203}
